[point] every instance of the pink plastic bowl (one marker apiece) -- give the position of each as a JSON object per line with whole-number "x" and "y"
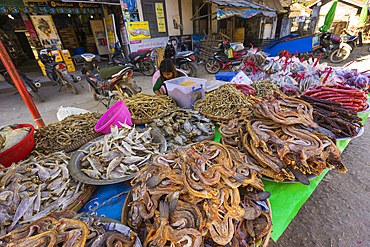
{"x": 21, "y": 150}
{"x": 117, "y": 113}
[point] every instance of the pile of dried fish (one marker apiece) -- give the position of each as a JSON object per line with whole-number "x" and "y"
{"x": 283, "y": 140}
{"x": 264, "y": 87}
{"x": 199, "y": 195}
{"x": 122, "y": 152}
{"x": 9, "y": 137}
{"x": 35, "y": 187}
{"x": 63, "y": 229}
{"x": 334, "y": 117}
{"x": 144, "y": 106}
{"x": 223, "y": 102}
{"x": 57, "y": 136}
{"x": 183, "y": 127}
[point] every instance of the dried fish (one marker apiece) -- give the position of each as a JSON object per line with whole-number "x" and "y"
{"x": 57, "y": 136}
{"x": 264, "y": 87}
{"x": 223, "y": 102}
{"x": 120, "y": 154}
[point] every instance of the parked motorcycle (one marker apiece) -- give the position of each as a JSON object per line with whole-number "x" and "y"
{"x": 108, "y": 83}
{"x": 141, "y": 61}
{"x": 220, "y": 60}
{"x": 57, "y": 71}
{"x": 31, "y": 85}
{"x": 183, "y": 60}
{"x": 328, "y": 43}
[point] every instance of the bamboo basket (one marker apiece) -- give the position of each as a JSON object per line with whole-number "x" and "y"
{"x": 140, "y": 121}
{"x": 84, "y": 198}
{"x": 76, "y": 145}
{"x": 126, "y": 209}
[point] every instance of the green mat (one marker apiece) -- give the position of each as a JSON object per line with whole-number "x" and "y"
{"x": 287, "y": 198}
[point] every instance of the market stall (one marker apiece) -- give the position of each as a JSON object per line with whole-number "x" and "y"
{"x": 234, "y": 166}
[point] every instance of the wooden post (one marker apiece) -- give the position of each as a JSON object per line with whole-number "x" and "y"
{"x": 314, "y": 19}
{"x": 273, "y": 29}
{"x": 210, "y": 19}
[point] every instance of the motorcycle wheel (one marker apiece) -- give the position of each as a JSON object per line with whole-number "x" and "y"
{"x": 193, "y": 71}
{"x": 93, "y": 93}
{"x": 72, "y": 86}
{"x": 189, "y": 69}
{"x": 35, "y": 96}
{"x": 216, "y": 68}
{"x": 344, "y": 53}
{"x": 148, "y": 68}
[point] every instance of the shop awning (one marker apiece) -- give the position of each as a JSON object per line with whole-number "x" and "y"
{"x": 111, "y": 2}
{"x": 275, "y": 4}
{"x": 242, "y": 8}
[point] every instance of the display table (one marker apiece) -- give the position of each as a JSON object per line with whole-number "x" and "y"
{"x": 286, "y": 198}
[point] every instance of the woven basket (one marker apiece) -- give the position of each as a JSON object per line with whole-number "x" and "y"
{"x": 76, "y": 145}
{"x": 126, "y": 209}
{"x": 84, "y": 198}
{"x": 140, "y": 121}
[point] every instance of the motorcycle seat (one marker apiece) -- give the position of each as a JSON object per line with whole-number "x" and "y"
{"x": 335, "y": 38}
{"x": 141, "y": 53}
{"x": 240, "y": 53}
{"x": 107, "y": 73}
{"x": 183, "y": 54}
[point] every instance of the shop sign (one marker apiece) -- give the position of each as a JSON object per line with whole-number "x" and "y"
{"x": 160, "y": 18}
{"x": 97, "y": 28}
{"x": 124, "y": 36}
{"x": 300, "y": 18}
{"x": 69, "y": 10}
{"x": 3, "y": 9}
{"x": 147, "y": 44}
{"x": 85, "y": 10}
{"x": 110, "y": 30}
{"x": 138, "y": 30}
{"x": 92, "y": 11}
{"x": 52, "y": 11}
{"x": 13, "y": 9}
{"x": 76, "y": 10}
{"x": 46, "y": 30}
{"x": 161, "y": 25}
{"x": 99, "y": 10}
{"x": 56, "y": 4}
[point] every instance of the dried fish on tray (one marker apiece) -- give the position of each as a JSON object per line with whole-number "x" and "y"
{"x": 145, "y": 108}
{"x": 183, "y": 127}
{"x": 264, "y": 87}
{"x": 59, "y": 135}
{"x": 222, "y": 103}
{"x": 35, "y": 187}
{"x": 196, "y": 196}
{"x": 67, "y": 229}
{"x": 115, "y": 157}
{"x": 282, "y": 139}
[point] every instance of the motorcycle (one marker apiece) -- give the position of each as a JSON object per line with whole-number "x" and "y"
{"x": 328, "y": 43}
{"x": 31, "y": 85}
{"x": 57, "y": 71}
{"x": 220, "y": 61}
{"x": 184, "y": 60}
{"x": 108, "y": 83}
{"x": 347, "y": 44}
{"x": 141, "y": 61}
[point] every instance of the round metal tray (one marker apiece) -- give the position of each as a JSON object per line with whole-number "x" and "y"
{"x": 360, "y": 132}
{"x": 74, "y": 165}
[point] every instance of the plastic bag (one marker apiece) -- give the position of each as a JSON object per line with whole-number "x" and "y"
{"x": 241, "y": 78}
{"x": 64, "y": 112}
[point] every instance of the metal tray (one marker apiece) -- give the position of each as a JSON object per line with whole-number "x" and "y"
{"x": 74, "y": 165}
{"x": 360, "y": 132}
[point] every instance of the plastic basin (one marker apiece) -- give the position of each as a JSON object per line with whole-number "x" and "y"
{"x": 117, "y": 113}
{"x": 21, "y": 150}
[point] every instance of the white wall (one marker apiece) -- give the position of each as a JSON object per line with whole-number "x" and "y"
{"x": 172, "y": 8}
{"x": 187, "y": 13}
{"x": 343, "y": 12}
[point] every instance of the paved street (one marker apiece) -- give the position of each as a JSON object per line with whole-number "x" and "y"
{"x": 335, "y": 215}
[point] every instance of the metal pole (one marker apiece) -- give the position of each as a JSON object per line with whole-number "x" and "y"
{"x": 8, "y": 63}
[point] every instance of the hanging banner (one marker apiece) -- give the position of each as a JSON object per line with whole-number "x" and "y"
{"x": 243, "y": 13}
{"x": 76, "y": 10}
{"x": 3, "y": 9}
{"x": 30, "y": 29}
{"x": 159, "y": 10}
{"x": 46, "y": 30}
{"x": 24, "y": 9}
{"x": 110, "y": 30}
{"x": 138, "y": 30}
{"x": 100, "y": 37}
{"x": 124, "y": 36}
{"x": 53, "y": 11}
{"x": 161, "y": 25}
{"x": 14, "y": 9}
{"x": 147, "y": 44}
